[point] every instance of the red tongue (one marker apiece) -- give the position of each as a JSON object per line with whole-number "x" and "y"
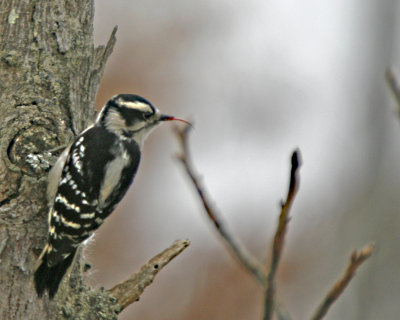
{"x": 171, "y": 118}
{"x": 181, "y": 120}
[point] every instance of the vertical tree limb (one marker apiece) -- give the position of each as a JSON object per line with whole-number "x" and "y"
{"x": 49, "y": 75}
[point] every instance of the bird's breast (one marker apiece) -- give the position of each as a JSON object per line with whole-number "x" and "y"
{"x": 113, "y": 174}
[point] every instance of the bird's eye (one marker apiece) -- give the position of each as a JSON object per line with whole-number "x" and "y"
{"x": 147, "y": 115}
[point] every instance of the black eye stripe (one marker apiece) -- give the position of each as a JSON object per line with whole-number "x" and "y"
{"x": 148, "y": 115}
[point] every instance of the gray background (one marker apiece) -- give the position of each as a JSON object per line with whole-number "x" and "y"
{"x": 258, "y": 78}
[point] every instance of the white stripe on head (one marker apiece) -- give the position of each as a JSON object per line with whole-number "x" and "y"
{"x": 137, "y": 105}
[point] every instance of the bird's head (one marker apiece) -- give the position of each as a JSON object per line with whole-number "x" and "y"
{"x": 131, "y": 116}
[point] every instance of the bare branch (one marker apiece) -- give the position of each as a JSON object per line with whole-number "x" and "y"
{"x": 281, "y": 312}
{"x": 235, "y": 248}
{"x": 251, "y": 264}
{"x": 280, "y": 236}
{"x": 130, "y": 290}
{"x": 393, "y": 83}
{"x": 355, "y": 262}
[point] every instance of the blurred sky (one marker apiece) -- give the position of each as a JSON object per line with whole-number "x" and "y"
{"x": 258, "y": 79}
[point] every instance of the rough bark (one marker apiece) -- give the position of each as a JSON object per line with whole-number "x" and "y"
{"x": 49, "y": 76}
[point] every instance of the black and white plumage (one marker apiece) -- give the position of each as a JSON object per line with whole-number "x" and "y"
{"x": 89, "y": 179}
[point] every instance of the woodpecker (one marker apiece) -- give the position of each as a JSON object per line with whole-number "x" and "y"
{"x": 90, "y": 178}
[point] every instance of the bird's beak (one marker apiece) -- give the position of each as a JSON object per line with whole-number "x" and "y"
{"x": 165, "y": 117}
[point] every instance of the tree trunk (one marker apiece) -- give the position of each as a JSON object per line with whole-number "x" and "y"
{"x": 49, "y": 76}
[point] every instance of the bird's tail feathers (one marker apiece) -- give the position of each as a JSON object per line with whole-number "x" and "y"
{"x": 48, "y": 278}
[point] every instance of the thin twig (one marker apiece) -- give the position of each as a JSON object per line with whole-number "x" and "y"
{"x": 279, "y": 238}
{"x": 130, "y": 290}
{"x": 356, "y": 260}
{"x": 281, "y": 312}
{"x": 393, "y": 83}
{"x": 250, "y": 263}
